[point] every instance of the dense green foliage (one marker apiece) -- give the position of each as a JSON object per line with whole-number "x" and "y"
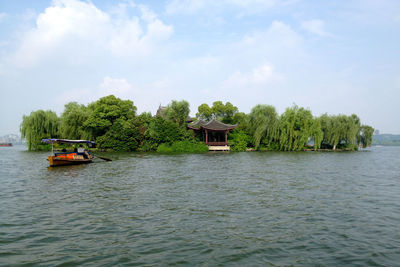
{"x": 341, "y": 131}
{"x": 114, "y": 125}
{"x": 365, "y": 138}
{"x": 105, "y": 112}
{"x": 239, "y": 140}
{"x": 183, "y": 147}
{"x": 223, "y": 112}
{"x": 72, "y": 120}
{"x": 162, "y": 131}
{"x": 38, "y": 125}
{"x": 296, "y": 128}
{"x": 178, "y": 112}
{"x": 263, "y": 124}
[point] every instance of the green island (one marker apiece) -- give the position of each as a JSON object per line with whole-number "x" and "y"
{"x": 115, "y": 126}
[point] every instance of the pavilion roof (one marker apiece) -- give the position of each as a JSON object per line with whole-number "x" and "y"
{"x": 211, "y": 125}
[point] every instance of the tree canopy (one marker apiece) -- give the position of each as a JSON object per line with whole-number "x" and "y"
{"x": 223, "y": 112}
{"x": 114, "y": 124}
{"x": 263, "y": 124}
{"x": 72, "y": 120}
{"x": 38, "y": 125}
{"x": 178, "y": 112}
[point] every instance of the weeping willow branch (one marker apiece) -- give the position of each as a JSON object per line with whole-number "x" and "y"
{"x": 38, "y": 125}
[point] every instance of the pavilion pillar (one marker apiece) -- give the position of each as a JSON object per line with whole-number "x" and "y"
{"x": 226, "y": 137}
{"x": 206, "y": 136}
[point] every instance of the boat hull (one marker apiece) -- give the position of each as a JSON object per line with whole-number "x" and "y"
{"x": 5, "y": 144}
{"x": 58, "y": 161}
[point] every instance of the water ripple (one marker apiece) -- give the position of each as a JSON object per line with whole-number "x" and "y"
{"x": 268, "y": 209}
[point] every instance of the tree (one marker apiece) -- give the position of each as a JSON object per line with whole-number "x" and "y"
{"x": 366, "y": 133}
{"x": 263, "y": 124}
{"x": 178, "y": 112}
{"x": 123, "y": 135}
{"x": 204, "y": 112}
{"x": 242, "y": 120}
{"x": 316, "y": 133}
{"x": 142, "y": 123}
{"x": 161, "y": 131}
{"x": 229, "y": 113}
{"x": 72, "y": 121}
{"x": 295, "y": 128}
{"x": 340, "y": 130}
{"x": 38, "y": 125}
{"x": 223, "y": 112}
{"x": 105, "y": 111}
{"x": 238, "y": 140}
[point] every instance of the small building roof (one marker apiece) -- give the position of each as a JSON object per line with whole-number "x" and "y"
{"x": 211, "y": 125}
{"x": 161, "y": 111}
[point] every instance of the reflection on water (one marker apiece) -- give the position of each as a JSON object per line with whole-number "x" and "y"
{"x": 254, "y": 208}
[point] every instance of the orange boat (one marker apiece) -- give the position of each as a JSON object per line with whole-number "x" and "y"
{"x": 69, "y": 158}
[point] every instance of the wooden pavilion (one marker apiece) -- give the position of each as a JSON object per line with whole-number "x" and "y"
{"x": 214, "y": 133}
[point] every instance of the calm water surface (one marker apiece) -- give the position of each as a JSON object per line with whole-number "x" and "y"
{"x": 243, "y": 209}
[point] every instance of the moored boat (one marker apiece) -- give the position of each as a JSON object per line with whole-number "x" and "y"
{"x": 5, "y": 144}
{"x": 62, "y": 159}
{"x": 69, "y": 158}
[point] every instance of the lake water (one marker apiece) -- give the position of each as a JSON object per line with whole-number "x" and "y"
{"x": 243, "y": 209}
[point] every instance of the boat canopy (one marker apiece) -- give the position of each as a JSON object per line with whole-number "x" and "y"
{"x": 67, "y": 141}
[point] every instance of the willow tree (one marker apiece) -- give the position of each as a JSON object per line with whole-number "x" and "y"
{"x": 38, "y": 125}
{"x": 327, "y": 127}
{"x": 365, "y": 136}
{"x": 352, "y": 130}
{"x": 72, "y": 120}
{"x": 316, "y": 133}
{"x": 296, "y": 128}
{"x": 263, "y": 124}
{"x": 340, "y": 130}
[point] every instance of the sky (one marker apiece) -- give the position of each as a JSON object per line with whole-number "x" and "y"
{"x": 335, "y": 57}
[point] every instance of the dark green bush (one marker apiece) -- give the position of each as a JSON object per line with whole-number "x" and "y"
{"x": 239, "y": 140}
{"x": 183, "y": 147}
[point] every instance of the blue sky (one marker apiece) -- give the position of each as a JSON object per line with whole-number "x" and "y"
{"x": 335, "y": 57}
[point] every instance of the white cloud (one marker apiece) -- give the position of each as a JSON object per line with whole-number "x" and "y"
{"x": 278, "y": 32}
{"x": 259, "y": 76}
{"x": 252, "y": 3}
{"x": 71, "y": 28}
{"x": 115, "y": 86}
{"x": 186, "y": 6}
{"x": 243, "y": 6}
{"x": 119, "y": 87}
{"x": 279, "y": 43}
{"x": 257, "y": 79}
{"x": 315, "y": 26}
{"x": 146, "y": 96}
{"x": 249, "y": 87}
